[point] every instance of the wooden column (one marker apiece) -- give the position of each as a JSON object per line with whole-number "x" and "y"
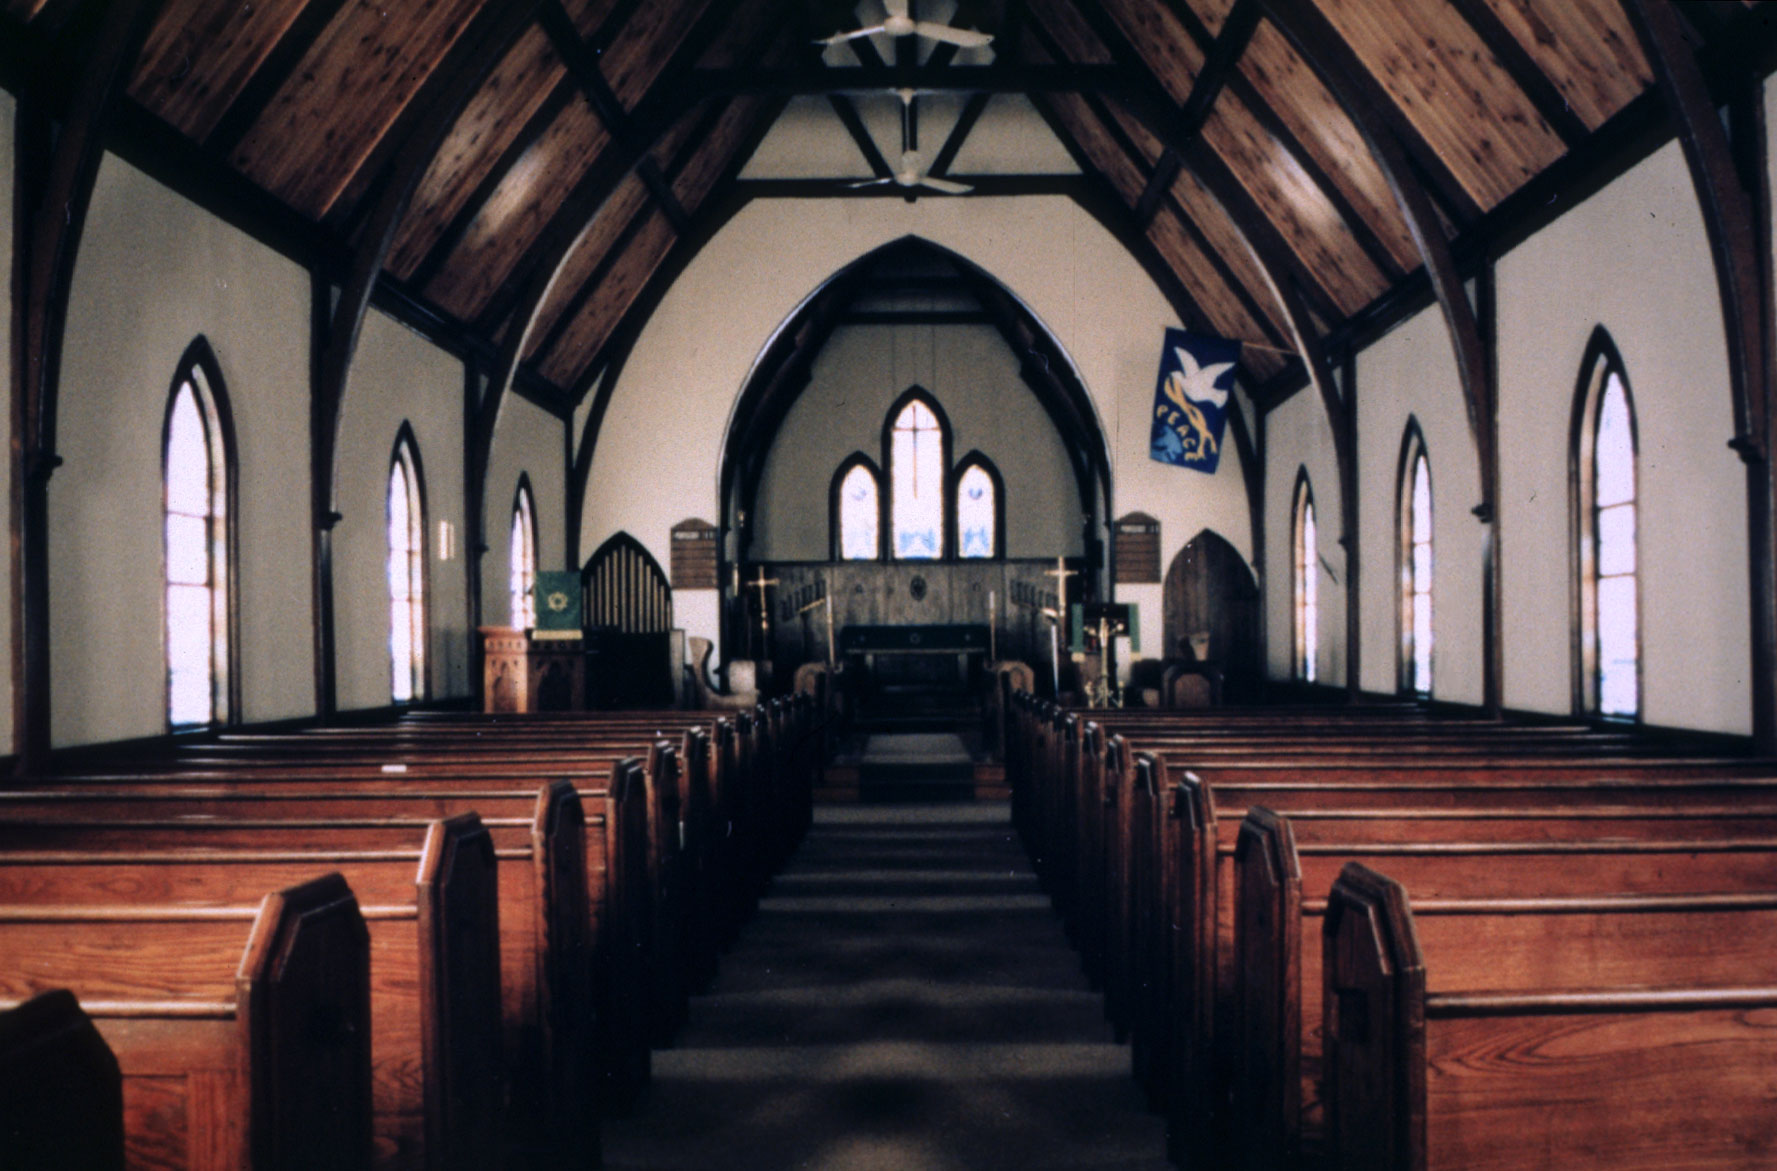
{"x": 58, "y": 166}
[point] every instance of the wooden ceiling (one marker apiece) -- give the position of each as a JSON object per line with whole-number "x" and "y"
{"x": 592, "y": 145}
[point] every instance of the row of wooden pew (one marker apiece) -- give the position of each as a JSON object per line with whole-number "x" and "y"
{"x": 1377, "y": 938}
{"x": 450, "y": 941}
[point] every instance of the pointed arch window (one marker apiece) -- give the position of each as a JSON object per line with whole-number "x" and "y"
{"x": 856, "y": 510}
{"x": 1305, "y": 597}
{"x": 1609, "y": 676}
{"x": 407, "y": 573}
{"x": 1415, "y": 561}
{"x": 918, "y": 459}
{"x": 522, "y": 576}
{"x": 980, "y": 508}
{"x": 197, "y": 478}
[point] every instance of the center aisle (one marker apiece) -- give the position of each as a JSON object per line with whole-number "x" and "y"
{"x": 904, "y": 998}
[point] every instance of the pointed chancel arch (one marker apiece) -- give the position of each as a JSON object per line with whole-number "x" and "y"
{"x": 1210, "y": 590}
{"x": 1604, "y": 486}
{"x": 198, "y": 479}
{"x": 628, "y": 612}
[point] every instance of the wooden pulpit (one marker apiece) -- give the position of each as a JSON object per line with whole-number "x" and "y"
{"x": 523, "y": 673}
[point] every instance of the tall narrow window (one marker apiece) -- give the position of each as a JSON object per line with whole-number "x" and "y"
{"x": 1610, "y": 635}
{"x": 523, "y": 574}
{"x": 917, "y": 471}
{"x": 857, "y": 511}
{"x": 407, "y": 574}
{"x": 195, "y": 479}
{"x": 1415, "y": 565}
{"x": 979, "y": 508}
{"x": 1306, "y": 582}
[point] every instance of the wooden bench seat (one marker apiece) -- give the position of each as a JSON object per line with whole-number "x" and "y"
{"x": 1275, "y": 967}
{"x": 527, "y": 923}
{"x": 242, "y": 1032}
{"x": 1480, "y": 1036}
{"x": 61, "y": 1093}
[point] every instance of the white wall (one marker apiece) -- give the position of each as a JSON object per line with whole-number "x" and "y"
{"x": 1297, "y": 436}
{"x": 397, "y": 377}
{"x": 658, "y": 456}
{"x": 973, "y": 374}
{"x": 153, "y": 273}
{"x": 528, "y": 442}
{"x": 8, "y": 115}
{"x": 1411, "y": 372}
{"x": 1635, "y": 259}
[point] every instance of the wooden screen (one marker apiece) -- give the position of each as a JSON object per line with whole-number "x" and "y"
{"x": 628, "y": 611}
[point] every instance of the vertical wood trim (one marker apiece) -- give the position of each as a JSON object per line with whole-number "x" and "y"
{"x": 1492, "y": 581}
{"x": 1735, "y": 205}
{"x": 1349, "y": 540}
{"x": 326, "y": 693}
{"x": 474, "y": 543}
{"x": 55, "y": 181}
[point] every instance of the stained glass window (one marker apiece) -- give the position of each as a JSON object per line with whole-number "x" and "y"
{"x": 976, "y": 513}
{"x": 1307, "y": 600}
{"x": 860, "y": 515}
{"x": 916, "y": 469}
{"x": 196, "y": 559}
{"x": 1616, "y": 621}
{"x": 523, "y": 574}
{"x": 1416, "y": 570}
{"x": 407, "y": 591}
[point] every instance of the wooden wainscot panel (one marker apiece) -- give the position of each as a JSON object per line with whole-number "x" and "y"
{"x": 694, "y": 555}
{"x": 1135, "y": 549}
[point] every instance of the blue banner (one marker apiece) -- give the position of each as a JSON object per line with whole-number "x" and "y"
{"x": 1191, "y": 399}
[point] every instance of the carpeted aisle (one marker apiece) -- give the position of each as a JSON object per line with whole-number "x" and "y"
{"x": 903, "y": 999}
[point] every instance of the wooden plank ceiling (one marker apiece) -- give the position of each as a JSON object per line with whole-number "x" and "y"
{"x": 598, "y": 144}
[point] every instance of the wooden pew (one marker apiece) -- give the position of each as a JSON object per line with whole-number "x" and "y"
{"x": 478, "y": 965}
{"x": 242, "y": 1033}
{"x": 1476, "y": 1035}
{"x": 1276, "y": 1011}
{"x": 61, "y": 1093}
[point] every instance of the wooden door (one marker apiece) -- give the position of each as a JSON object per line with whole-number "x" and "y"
{"x": 1210, "y": 590}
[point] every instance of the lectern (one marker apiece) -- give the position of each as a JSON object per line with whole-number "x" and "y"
{"x": 522, "y": 673}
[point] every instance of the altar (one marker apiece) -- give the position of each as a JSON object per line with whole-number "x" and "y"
{"x": 931, "y": 658}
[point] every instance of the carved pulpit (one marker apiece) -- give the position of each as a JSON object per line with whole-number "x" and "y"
{"x": 522, "y": 673}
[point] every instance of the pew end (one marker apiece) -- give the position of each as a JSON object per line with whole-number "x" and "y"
{"x": 61, "y": 1092}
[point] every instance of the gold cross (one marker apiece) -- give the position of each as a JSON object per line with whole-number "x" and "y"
{"x": 1061, "y": 573}
{"x": 762, "y": 584}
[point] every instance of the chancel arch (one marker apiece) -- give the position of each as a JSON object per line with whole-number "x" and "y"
{"x": 1212, "y": 613}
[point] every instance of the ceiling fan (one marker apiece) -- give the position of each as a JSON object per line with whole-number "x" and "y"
{"x": 899, "y": 23}
{"x": 912, "y": 170}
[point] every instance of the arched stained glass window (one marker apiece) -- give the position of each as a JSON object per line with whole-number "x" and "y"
{"x": 195, "y": 483}
{"x": 1415, "y": 565}
{"x": 917, "y": 476}
{"x": 522, "y": 577}
{"x": 980, "y": 508}
{"x": 1306, "y": 580}
{"x": 407, "y": 577}
{"x": 859, "y": 512}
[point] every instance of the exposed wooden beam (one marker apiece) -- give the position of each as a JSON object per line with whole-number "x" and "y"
{"x": 860, "y": 135}
{"x": 818, "y": 80}
{"x": 243, "y": 113}
{"x": 1742, "y": 254}
{"x": 959, "y": 134}
{"x": 473, "y": 56}
{"x": 1522, "y": 68}
{"x": 583, "y": 66}
{"x": 1219, "y": 64}
{"x": 57, "y": 171}
{"x": 984, "y": 185}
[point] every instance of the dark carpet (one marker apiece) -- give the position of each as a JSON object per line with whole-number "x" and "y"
{"x": 904, "y": 999}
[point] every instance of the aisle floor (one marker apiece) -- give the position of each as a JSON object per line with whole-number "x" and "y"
{"x": 904, "y": 998}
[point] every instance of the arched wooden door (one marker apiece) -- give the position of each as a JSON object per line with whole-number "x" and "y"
{"x": 628, "y": 608}
{"x": 1210, "y": 591}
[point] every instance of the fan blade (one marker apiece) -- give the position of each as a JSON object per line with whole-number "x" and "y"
{"x": 869, "y": 183}
{"x": 841, "y": 38}
{"x": 964, "y": 38}
{"x": 947, "y": 186}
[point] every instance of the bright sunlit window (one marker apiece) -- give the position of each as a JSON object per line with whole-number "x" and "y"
{"x": 1416, "y": 567}
{"x": 1306, "y": 581}
{"x": 977, "y": 513}
{"x": 1615, "y": 611}
{"x": 194, "y": 469}
{"x": 523, "y": 561}
{"x": 407, "y": 590}
{"x": 860, "y": 514}
{"x": 917, "y": 471}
